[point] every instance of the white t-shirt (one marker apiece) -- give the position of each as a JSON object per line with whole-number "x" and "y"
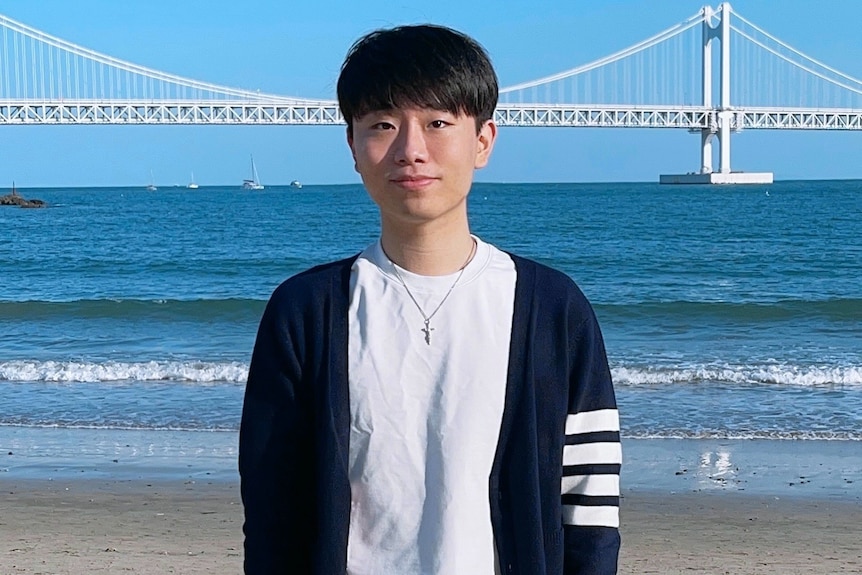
{"x": 425, "y": 417}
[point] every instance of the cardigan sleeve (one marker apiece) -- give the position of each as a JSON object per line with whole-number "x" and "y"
{"x": 592, "y": 454}
{"x": 275, "y": 458}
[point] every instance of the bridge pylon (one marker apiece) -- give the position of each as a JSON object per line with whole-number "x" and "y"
{"x": 723, "y": 112}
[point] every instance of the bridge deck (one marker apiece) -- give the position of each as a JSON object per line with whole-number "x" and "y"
{"x": 325, "y": 112}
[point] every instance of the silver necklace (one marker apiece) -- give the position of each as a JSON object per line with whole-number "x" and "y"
{"x": 427, "y": 317}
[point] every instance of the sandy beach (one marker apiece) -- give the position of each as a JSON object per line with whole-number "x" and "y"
{"x": 91, "y": 527}
{"x": 720, "y": 534}
{"x": 713, "y": 507}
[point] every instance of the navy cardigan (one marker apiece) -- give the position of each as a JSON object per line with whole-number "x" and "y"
{"x": 293, "y": 451}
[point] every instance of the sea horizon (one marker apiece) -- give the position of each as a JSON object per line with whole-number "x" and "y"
{"x": 171, "y": 186}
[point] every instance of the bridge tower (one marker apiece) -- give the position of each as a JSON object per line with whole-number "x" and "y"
{"x": 724, "y": 111}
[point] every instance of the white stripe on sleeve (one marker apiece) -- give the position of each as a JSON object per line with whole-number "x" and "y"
{"x": 592, "y": 454}
{"x": 590, "y": 421}
{"x": 593, "y": 485}
{"x": 599, "y": 516}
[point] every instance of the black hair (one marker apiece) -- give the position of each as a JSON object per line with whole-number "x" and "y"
{"x": 426, "y": 66}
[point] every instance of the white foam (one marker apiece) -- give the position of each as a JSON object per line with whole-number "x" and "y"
{"x": 89, "y": 372}
{"x": 806, "y": 376}
{"x": 236, "y": 372}
{"x": 773, "y": 435}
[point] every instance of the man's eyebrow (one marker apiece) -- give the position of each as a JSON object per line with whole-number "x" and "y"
{"x": 373, "y": 113}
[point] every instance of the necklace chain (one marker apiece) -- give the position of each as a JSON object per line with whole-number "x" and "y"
{"x": 427, "y": 317}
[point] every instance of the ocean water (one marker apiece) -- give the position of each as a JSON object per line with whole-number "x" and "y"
{"x": 127, "y": 317}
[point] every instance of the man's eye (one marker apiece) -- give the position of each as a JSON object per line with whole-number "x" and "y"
{"x": 382, "y": 126}
{"x": 438, "y": 124}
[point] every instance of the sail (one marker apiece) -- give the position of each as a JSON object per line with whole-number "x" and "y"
{"x": 254, "y": 182}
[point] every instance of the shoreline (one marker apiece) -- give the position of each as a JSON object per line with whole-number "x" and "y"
{"x": 799, "y": 468}
{"x": 819, "y": 469}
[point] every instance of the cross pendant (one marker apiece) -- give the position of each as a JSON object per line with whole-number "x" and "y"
{"x": 427, "y": 330}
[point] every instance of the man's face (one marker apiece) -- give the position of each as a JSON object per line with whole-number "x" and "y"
{"x": 417, "y": 164}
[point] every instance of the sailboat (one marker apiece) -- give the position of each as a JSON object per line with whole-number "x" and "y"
{"x": 253, "y": 183}
{"x": 192, "y": 185}
{"x": 151, "y": 187}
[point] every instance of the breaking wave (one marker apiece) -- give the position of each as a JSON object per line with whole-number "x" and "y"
{"x": 116, "y": 371}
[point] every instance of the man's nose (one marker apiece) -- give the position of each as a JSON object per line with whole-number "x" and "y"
{"x": 410, "y": 145}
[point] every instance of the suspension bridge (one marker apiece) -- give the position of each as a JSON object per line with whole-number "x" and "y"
{"x": 713, "y": 74}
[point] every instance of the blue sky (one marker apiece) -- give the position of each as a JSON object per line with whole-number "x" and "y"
{"x": 296, "y": 48}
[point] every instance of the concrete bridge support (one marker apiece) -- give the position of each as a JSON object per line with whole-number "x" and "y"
{"x": 707, "y": 175}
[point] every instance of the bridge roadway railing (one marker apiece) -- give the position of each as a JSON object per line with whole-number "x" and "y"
{"x": 542, "y": 115}
{"x": 260, "y": 112}
{"x": 325, "y": 112}
{"x": 797, "y": 119}
{"x": 692, "y": 118}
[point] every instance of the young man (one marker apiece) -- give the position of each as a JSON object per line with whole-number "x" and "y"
{"x": 432, "y": 406}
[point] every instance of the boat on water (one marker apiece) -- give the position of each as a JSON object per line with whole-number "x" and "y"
{"x": 295, "y": 184}
{"x": 192, "y": 185}
{"x": 254, "y": 182}
{"x": 151, "y": 187}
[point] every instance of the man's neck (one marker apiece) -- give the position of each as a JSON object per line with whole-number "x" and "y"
{"x": 429, "y": 252}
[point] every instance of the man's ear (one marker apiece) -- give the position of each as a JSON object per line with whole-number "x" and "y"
{"x": 485, "y": 143}
{"x": 352, "y": 150}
